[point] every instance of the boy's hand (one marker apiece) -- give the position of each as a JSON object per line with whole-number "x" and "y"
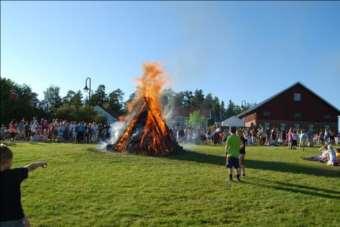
{"x": 43, "y": 164}
{"x": 36, "y": 165}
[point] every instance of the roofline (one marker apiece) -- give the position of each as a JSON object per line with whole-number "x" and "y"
{"x": 322, "y": 99}
{"x": 277, "y": 94}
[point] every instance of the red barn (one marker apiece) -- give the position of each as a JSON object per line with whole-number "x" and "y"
{"x": 296, "y": 106}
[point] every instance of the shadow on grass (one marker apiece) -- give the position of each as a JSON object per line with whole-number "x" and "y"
{"x": 295, "y": 188}
{"x": 257, "y": 164}
{"x": 36, "y": 143}
{"x": 92, "y": 149}
{"x": 8, "y": 143}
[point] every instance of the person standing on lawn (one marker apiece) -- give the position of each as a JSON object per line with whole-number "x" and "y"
{"x": 11, "y": 212}
{"x": 242, "y": 152}
{"x": 232, "y": 149}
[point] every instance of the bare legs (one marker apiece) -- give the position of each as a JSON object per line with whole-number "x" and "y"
{"x": 238, "y": 173}
{"x": 242, "y": 166}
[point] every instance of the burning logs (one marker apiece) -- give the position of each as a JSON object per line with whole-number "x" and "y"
{"x": 146, "y": 131}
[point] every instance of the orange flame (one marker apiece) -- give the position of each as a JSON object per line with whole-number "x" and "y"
{"x": 155, "y": 135}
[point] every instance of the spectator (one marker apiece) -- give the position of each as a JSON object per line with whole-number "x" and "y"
{"x": 12, "y": 129}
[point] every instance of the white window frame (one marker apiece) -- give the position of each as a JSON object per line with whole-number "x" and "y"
{"x": 297, "y": 97}
{"x": 266, "y": 113}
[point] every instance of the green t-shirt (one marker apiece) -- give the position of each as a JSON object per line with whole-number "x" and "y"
{"x": 233, "y": 146}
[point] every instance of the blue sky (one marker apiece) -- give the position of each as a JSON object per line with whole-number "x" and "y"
{"x": 239, "y": 51}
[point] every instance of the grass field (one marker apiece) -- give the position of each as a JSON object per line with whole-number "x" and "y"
{"x": 83, "y": 187}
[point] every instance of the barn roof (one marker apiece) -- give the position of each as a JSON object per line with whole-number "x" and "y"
{"x": 251, "y": 110}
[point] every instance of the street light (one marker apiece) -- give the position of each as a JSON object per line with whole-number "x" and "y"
{"x": 244, "y": 103}
{"x": 88, "y": 86}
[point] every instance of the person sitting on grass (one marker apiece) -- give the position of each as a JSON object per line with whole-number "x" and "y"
{"x": 232, "y": 149}
{"x": 331, "y": 156}
{"x": 324, "y": 154}
{"x": 11, "y": 212}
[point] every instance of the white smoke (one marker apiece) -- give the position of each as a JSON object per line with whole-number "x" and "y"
{"x": 115, "y": 130}
{"x": 168, "y": 113}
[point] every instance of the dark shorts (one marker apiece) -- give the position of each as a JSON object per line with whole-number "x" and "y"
{"x": 14, "y": 223}
{"x": 233, "y": 162}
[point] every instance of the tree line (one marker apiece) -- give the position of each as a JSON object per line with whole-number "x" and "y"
{"x": 19, "y": 101}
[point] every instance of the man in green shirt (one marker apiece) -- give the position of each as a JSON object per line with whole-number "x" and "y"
{"x": 232, "y": 149}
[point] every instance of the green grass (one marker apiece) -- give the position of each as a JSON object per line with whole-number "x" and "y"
{"x": 83, "y": 187}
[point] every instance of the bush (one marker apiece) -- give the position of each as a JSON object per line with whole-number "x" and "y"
{"x": 78, "y": 113}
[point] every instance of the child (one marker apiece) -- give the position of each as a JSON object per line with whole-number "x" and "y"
{"x": 242, "y": 152}
{"x": 12, "y": 130}
{"x": 232, "y": 154}
{"x": 294, "y": 140}
{"x": 302, "y": 139}
{"x": 11, "y": 212}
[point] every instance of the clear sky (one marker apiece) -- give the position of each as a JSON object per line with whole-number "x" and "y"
{"x": 239, "y": 51}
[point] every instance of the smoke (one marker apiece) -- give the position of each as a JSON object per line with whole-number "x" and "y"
{"x": 206, "y": 39}
{"x": 149, "y": 87}
{"x": 168, "y": 113}
{"x": 168, "y": 107}
{"x": 115, "y": 130}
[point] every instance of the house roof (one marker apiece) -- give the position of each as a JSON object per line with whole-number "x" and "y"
{"x": 251, "y": 110}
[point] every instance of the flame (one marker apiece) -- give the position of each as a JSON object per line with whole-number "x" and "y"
{"x": 155, "y": 136}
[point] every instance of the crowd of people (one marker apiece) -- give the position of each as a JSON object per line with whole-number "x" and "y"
{"x": 55, "y": 131}
{"x": 292, "y": 137}
{"x": 58, "y": 130}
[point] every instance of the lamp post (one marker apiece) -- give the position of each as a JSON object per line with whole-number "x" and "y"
{"x": 88, "y": 86}
{"x": 244, "y": 103}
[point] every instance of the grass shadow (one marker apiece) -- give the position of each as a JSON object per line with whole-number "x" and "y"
{"x": 295, "y": 188}
{"x": 304, "y": 187}
{"x": 8, "y": 143}
{"x": 257, "y": 164}
{"x": 92, "y": 149}
{"x": 35, "y": 143}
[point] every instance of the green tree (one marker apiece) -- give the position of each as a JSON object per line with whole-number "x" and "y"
{"x": 71, "y": 112}
{"x": 197, "y": 99}
{"x": 52, "y": 98}
{"x": 230, "y": 109}
{"x": 68, "y": 97}
{"x": 196, "y": 120}
{"x": 67, "y": 112}
{"x": 17, "y": 102}
{"x": 99, "y": 97}
{"x": 73, "y": 98}
{"x": 115, "y": 104}
{"x": 216, "y": 109}
{"x": 188, "y": 99}
{"x": 223, "y": 110}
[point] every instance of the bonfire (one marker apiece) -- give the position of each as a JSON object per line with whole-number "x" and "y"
{"x": 146, "y": 131}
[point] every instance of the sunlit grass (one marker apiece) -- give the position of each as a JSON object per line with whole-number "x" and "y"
{"x": 83, "y": 187}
